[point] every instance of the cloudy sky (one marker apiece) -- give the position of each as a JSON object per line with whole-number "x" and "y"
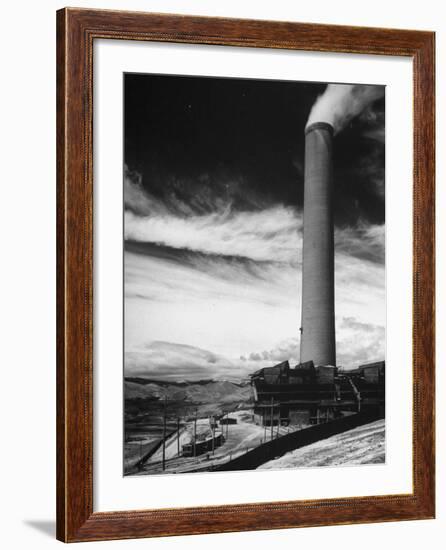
{"x": 213, "y": 189}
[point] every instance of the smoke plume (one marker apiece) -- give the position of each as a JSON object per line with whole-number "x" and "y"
{"x": 340, "y": 103}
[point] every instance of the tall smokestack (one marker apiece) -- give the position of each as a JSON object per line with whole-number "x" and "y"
{"x": 318, "y": 319}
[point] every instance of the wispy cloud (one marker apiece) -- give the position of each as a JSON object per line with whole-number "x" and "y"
{"x": 370, "y": 169}
{"x": 286, "y": 350}
{"x": 223, "y": 306}
{"x": 269, "y": 234}
{"x": 136, "y": 199}
{"x": 230, "y": 281}
{"x": 172, "y": 361}
{"x": 373, "y": 123}
{"x": 235, "y": 311}
{"x": 359, "y": 342}
{"x": 363, "y": 241}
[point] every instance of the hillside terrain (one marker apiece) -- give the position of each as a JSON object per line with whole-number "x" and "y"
{"x": 200, "y": 392}
{"x": 362, "y": 445}
{"x": 148, "y": 401}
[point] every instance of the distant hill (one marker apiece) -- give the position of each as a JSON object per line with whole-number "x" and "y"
{"x": 196, "y": 392}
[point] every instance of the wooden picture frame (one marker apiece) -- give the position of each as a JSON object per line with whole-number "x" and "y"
{"x": 76, "y": 31}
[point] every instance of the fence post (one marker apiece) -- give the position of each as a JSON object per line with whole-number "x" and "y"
{"x": 272, "y": 418}
{"x": 195, "y": 434}
{"x": 164, "y": 432}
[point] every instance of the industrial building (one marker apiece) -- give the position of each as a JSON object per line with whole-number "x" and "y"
{"x": 306, "y": 394}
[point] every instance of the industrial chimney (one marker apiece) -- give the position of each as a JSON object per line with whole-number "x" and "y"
{"x": 318, "y": 319}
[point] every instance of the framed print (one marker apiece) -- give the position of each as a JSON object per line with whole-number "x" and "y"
{"x": 245, "y": 275}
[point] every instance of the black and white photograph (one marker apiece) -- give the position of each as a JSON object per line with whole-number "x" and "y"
{"x": 223, "y": 252}
{"x": 254, "y": 274}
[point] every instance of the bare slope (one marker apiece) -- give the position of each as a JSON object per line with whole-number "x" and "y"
{"x": 363, "y": 445}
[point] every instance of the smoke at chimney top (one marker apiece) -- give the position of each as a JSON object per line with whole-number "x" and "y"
{"x": 340, "y": 103}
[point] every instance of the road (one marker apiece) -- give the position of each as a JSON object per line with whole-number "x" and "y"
{"x": 239, "y": 438}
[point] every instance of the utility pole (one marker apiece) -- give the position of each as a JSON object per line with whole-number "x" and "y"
{"x": 213, "y": 434}
{"x": 264, "y": 425}
{"x": 164, "y": 432}
{"x": 272, "y": 418}
{"x": 195, "y": 434}
{"x": 178, "y": 435}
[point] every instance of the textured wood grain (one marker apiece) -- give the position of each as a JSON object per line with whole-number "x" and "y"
{"x": 76, "y": 31}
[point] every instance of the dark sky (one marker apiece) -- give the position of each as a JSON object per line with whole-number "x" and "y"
{"x": 242, "y": 141}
